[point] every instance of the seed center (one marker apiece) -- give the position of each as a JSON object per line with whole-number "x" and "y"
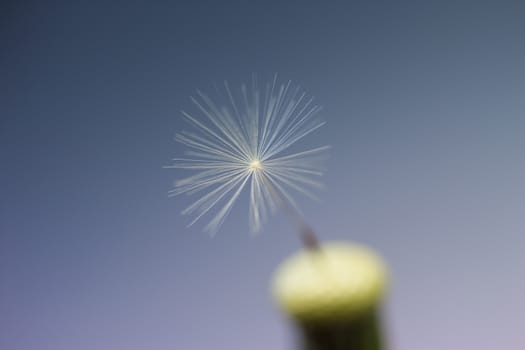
{"x": 255, "y": 165}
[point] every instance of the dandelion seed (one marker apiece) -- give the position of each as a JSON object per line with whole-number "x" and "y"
{"x": 246, "y": 144}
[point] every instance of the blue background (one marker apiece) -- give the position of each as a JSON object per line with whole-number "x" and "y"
{"x": 426, "y": 115}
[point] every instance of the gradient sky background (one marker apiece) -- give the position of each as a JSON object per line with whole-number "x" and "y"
{"x": 425, "y": 103}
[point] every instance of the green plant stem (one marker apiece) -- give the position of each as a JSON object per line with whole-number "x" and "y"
{"x": 363, "y": 333}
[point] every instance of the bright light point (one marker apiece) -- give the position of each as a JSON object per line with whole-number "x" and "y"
{"x": 255, "y": 165}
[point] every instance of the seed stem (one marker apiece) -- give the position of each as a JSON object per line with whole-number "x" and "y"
{"x": 306, "y": 232}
